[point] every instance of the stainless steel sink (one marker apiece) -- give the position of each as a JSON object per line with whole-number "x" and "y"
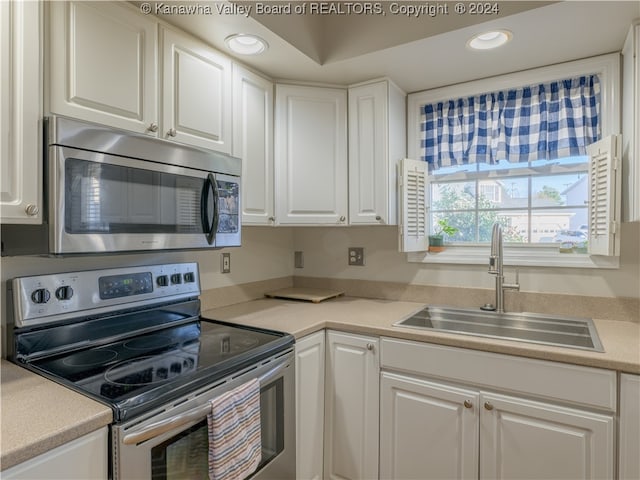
{"x": 525, "y": 327}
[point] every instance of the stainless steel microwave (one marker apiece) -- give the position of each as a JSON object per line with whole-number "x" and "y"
{"x": 109, "y": 190}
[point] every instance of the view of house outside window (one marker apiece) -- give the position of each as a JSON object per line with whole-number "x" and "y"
{"x": 538, "y": 202}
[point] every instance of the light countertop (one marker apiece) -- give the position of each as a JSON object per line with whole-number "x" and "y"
{"x": 621, "y": 340}
{"x": 38, "y": 415}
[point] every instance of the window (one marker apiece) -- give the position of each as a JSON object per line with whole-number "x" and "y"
{"x": 539, "y": 192}
{"x": 534, "y": 201}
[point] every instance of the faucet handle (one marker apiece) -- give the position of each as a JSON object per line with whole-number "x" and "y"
{"x": 515, "y": 285}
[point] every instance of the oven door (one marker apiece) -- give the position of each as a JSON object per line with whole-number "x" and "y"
{"x": 106, "y": 203}
{"x": 173, "y": 443}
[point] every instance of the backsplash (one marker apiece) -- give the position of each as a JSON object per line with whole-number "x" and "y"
{"x": 605, "y": 308}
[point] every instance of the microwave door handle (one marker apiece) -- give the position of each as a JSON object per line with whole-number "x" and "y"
{"x": 216, "y": 208}
{"x": 190, "y": 416}
{"x": 210, "y": 185}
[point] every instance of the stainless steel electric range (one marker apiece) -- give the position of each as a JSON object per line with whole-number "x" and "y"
{"x": 133, "y": 339}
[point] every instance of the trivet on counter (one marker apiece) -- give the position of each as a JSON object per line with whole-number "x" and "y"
{"x": 315, "y": 295}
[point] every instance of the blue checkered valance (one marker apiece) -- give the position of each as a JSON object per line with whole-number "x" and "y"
{"x": 546, "y": 121}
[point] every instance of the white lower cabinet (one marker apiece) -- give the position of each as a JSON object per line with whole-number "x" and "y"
{"x": 352, "y": 407}
{"x": 85, "y": 458}
{"x": 629, "y": 445}
{"x": 520, "y": 438}
{"x": 310, "y": 359}
{"x": 427, "y": 429}
{"x": 452, "y": 426}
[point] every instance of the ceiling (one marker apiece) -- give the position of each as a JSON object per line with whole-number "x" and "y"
{"x": 418, "y": 53}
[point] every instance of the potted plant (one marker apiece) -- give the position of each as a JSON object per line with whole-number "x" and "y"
{"x": 436, "y": 241}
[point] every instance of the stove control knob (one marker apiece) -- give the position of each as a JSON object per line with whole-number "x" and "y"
{"x": 176, "y": 278}
{"x": 64, "y": 293}
{"x": 41, "y": 295}
{"x": 189, "y": 277}
{"x": 162, "y": 281}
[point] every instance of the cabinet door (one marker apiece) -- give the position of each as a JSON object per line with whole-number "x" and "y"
{"x": 196, "y": 93}
{"x": 629, "y": 427}
{"x": 21, "y": 111}
{"x": 103, "y": 64}
{"x": 253, "y": 143}
{"x": 311, "y": 155}
{"x": 85, "y": 458}
{"x": 524, "y": 439}
{"x": 310, "y": 360}
{"x": 377, "y": 140}
{"x": 352, "y": 407}
{"x": 427, "y": 429}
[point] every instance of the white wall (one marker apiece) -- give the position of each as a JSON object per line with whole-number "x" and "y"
{"x": 325, "y": 255}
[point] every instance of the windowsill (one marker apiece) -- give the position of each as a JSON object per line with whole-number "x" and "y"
{"x": 526, "y": 256}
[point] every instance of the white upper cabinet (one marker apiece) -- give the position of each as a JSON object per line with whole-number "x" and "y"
{"x": 196, "y": 93}
{"x": 105, "y": 68}
{"x": 253, "y": 143}
{"x": 377, "y": 141}
{"x": 103, "y": 64}
{"x": 631, "y": 124}
{"x": 20, "y": 113}
{"x": 311, "y": 155}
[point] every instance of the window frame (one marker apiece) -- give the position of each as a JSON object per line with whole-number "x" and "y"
{"x": 608, "y": 69}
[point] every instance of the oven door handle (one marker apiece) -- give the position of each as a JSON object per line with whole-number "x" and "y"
{"x": 158, "y": 428}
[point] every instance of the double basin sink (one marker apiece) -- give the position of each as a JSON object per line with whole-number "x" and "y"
{"x": 525, "y": 327}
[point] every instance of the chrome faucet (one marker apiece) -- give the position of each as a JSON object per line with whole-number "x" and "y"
{"x": 495, "y": 268}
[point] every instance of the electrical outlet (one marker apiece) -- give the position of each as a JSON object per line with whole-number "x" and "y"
{"x": 298, "y": 260}
{"x": 226, "y": 263}
{"x": 356, "y": 256}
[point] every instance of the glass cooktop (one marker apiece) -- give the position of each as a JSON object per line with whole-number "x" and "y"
{"x": 155, "y": 367}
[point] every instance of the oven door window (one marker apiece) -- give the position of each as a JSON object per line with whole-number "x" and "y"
{"x": 106, "y": 198}
{"x": 185, "y": 455}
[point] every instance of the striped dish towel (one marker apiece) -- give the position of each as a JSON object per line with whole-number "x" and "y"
{"x": 235, "y": 445}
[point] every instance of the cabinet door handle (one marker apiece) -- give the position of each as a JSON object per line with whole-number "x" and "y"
{"x": 369, "y": 346}
{"x": 153, "y": 127}
{"x": 272, "y": 219}
{"x": 343, "y": 218}
{"x": 468, "y": 404}
{"x": 32, "y": 210}
{"x": 488, "y": 406}
{"x": 172, "y": 132}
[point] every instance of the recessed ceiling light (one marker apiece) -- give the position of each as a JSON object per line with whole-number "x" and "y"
{"x": 489, "y": 40}
{"x": 246, "y": 44}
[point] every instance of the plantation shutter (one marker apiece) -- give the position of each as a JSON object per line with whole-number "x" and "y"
{"x": 604, "y": 196}
{"x": 412, "y": 188}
